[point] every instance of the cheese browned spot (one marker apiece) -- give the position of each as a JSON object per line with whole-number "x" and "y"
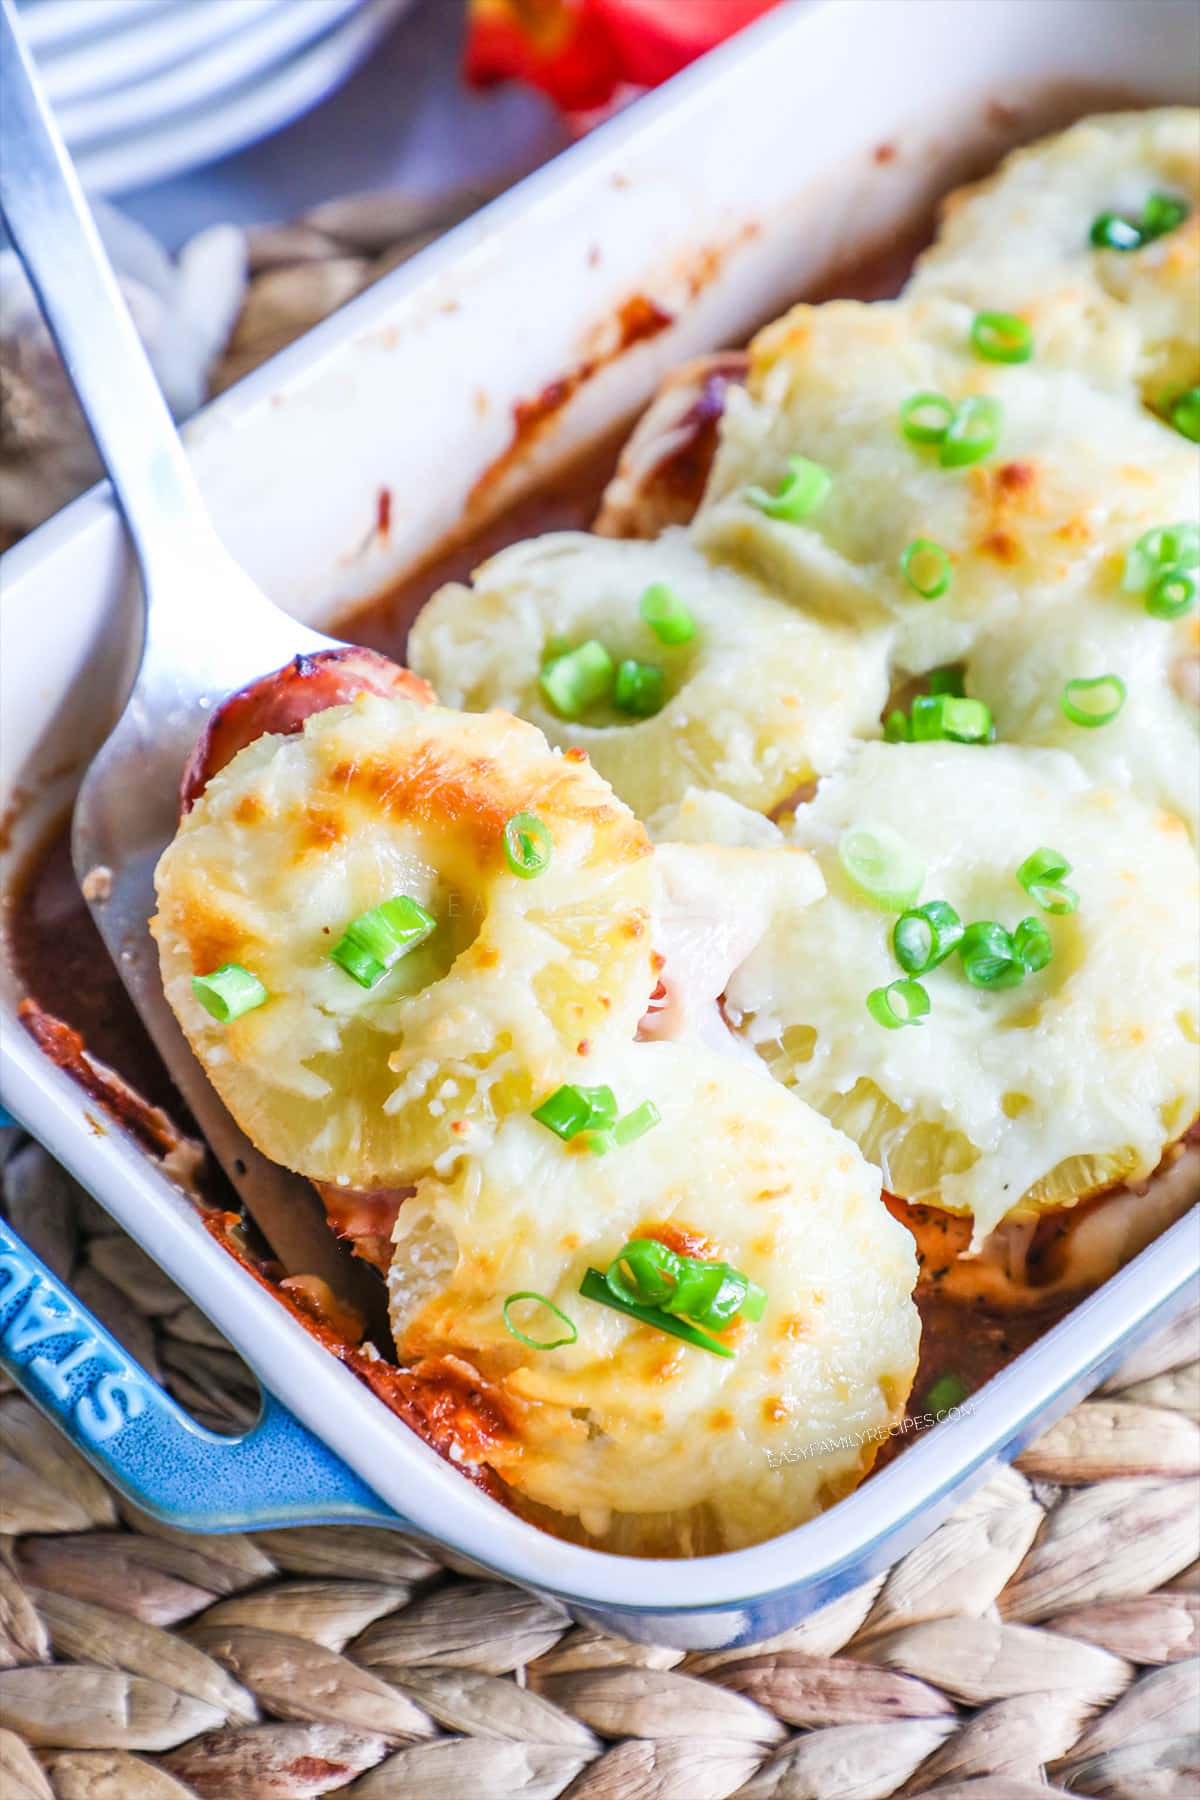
{"x": 629, "y": 1436}
{"x": 366, "y": 1088}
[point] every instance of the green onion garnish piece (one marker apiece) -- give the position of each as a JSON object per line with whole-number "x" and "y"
{"x": 947, "y": 681}
{"x": 594, "y": 1287}
{"x": 577, "y": 679}
{"x": 946, "y": 1393}
{"x": 713, "y": 1295}
{"x": 1162, "y": 213}
{"x": 666, "y": 615}
{"x": 598, "y": 1142}
{"x": 1184, "y": 413}
{"x": 925, "y": 936}
{"x": 936, "y": 716}
{"x": 881, "y": 865}
{"x": 633, "y": 1125}
{"x": 229, "y": 992}
{"x": 1172, "y": 595}
{"x": 639, "y": 689}
{"x": 973, "y": 433}
{"x": 805, "y": 487}
{"x": 895, "y": 727}
{"x": 1160, "y": 552}
{"x": 536, "y": 1343}
{"x": 989, "y": 956}
{"x": 902, "y": 1002}
{"x": 527, "y": 845}
{"x": 1112, "y": 232}
{"x": 1033, "y": 945}
{"x": 926, "y": 418}
{"x": 644, "y": 1272}
{"x": 1093, "y": 701}
{"x": 1001, "y": 337}
{"x": 375, "y": 941}
{"x": 926, "y": 568}
{"x": 570, "y": 1110}
{"x": 1041, "y": 875}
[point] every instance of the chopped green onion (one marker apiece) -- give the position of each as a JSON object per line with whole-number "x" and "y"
{"x": 937, "y": 716}
{"x": 535, "y": 1343}
{"x": 1160, "y": 552}
{"x": 1041, "y": 875}
{"x": 714, "y": 1295}
{"x": 1172, "y": 595}
{"x": 882, "y": 865}
{"x": 895, "y": 727}
{"x": 594, "y": 1287}
{"x": 570, "y": 1110}
{"x": 527, "y": 845}
{"x": 1093, "y": 701}
{"x": 375, "y": 941}
{"x": 926, "y": 418}
{"x": 644, "y": 1272}
{"x": 1184, "y": 413}
{"x": 902, "y": 1002}
{"x": 633, "y": 1125}
{"x": 1162, "y": 213}
{"x": 805, "y": 487}
{"x": 926, "y": 568}
{"x": 989, "y": 956}
{"x": 229, "y": 992}
{"x": 639, "y": 688}
{"x": 946, "y": 1393}
{"x": 1112, "y": 232}
{"x": 925, "y": 936}
{"x": 947, "y": 681}
{"x": 973, "y": 433}
{"x": 1033, "y": 944}
{"x": 666, "y": 615}
{"x": 598, "y": 1142}
{"x": 575, "y": 680}
{"x": 1001, "y": 337}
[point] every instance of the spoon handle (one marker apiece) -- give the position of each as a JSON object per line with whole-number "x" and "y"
{"x": 55, "y": 236}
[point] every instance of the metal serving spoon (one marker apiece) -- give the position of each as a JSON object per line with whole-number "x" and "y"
{"x": 208, "y": 629}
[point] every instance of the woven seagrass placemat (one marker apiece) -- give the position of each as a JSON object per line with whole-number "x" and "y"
{"x": 1042, "y": 1641}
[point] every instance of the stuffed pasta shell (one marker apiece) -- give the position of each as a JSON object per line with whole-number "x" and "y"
{"x": 877, "y": 467}
{"x": 433, "y": 916}
{"x": 1042, "y": 1045}
{"x": 633, "y": 1438}
{"x": 1102, "y": 221}
{"x": 668, "y": 671}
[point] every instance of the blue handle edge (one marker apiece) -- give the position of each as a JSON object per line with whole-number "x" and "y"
{"x": 144, "y": 1443}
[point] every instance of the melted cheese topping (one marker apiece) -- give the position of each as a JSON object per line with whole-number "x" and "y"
{"x": 1019, "y": 241}
{"x": 519, "y": 982}
{"x": 1151, "y": 746}
{"x": 1042, "y": 523}
{"x": 1028, "y": 1096}
{"x": 650, "y": 1443}
{"x": 759, "y": 701}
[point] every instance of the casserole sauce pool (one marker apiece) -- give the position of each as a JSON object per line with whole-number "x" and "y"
{"x": 63, "y": 967}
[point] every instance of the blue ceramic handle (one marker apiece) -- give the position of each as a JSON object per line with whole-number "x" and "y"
{"x": 144, "y": 1443}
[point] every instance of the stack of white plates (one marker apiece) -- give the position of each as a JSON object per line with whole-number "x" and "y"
{"x": 145, "y": 89}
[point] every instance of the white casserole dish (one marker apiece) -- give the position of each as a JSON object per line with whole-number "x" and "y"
{"x": 812, "y": 137}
